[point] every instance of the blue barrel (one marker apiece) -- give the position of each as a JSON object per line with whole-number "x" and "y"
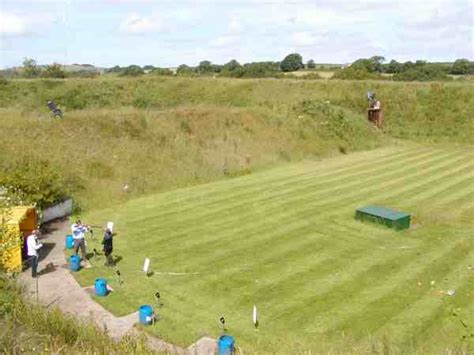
{"x": 100, "y": 286}
{"x": 69, "y": 242}
{"x": 74, "y": 263}
{"x": 225, "y": 345}
{"x": 145, "y": 314}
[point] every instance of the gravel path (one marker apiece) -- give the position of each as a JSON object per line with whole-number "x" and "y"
{"x": 57, "y": 287}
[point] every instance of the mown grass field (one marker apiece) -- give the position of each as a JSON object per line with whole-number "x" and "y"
{"x": 285, "y": 239}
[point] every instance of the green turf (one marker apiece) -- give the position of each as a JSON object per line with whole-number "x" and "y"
{"x": 286, "y": 240}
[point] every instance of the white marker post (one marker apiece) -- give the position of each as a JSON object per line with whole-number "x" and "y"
{"x": 254, "y": 318}
{"x": 146, "y": 266}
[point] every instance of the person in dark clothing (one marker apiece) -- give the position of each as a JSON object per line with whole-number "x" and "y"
{"x": 107, "y": 242}
{"x": 57, "y": 113}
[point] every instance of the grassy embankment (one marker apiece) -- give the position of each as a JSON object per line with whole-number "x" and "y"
{"x": 28, "y": 328}
{"x": 158, "y": 133}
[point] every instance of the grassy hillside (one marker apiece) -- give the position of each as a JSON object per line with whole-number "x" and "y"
{"x": 285, "y": 240}
{"x": 153, "y": 134}
{"x": 435, "y": 111}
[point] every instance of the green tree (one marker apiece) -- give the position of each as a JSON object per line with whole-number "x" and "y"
{"x": 231, "y": 66}
{"x": 310, "y": 64}
{"x": 30, "y": 68}
{"x": 462, "y": 66}
{"x": 292, "y": 62}
{"x": 393, "y": 67}
{"x": 148, "y": 67}
{"x": 204, "y": 67}
{"x": 115, "y": 69}
{"x": 132, "y": 70}
{"x": 54, "y": 70}
{"x": 377, "y": 61}
{"x": 184, "y": 70}
{"x": 372, "y": 64}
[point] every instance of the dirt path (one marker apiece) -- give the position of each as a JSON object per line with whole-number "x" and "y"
{"x": 57, "y": 287}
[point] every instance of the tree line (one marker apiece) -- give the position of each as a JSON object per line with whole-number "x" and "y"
{"x": 364, "y": 68}
{"x": 420, "y": 70}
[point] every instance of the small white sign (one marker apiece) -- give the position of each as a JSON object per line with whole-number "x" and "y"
{"x": 110, "y": 225}
{"x": 146, "y": 265}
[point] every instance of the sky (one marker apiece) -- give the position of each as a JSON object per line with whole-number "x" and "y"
{"x": 169, "y": 33}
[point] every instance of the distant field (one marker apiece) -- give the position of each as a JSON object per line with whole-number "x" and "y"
{"x": 325, "y": 74}
{"x": 285, "y": 240}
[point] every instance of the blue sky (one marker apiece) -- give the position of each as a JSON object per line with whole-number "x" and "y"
{"x": 168, "y": 33}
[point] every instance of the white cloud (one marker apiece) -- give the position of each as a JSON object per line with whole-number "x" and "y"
{"x": 225, "y": 41}
{"x": 235, "y": 26}
{"x": 15, "y": 24}
{"x": 12, "y": 25}
{"x": 304, "y": 39}
{"x": 137, "y": 25}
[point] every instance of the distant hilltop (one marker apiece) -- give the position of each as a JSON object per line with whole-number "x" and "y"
{"x": 80, "y": 67}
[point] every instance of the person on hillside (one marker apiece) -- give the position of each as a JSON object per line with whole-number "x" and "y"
{"x": 56, "y": 112}
{"x": 374, "y": 111}
{"x": 32, "y": 251}
{"x": 78, "y": 230}
{"x": 107, "y": 243}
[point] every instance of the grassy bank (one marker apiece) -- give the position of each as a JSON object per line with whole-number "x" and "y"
{"x": 27, "y": 327}
{"x": 122, "y": 138}
{"x": 108, "y": 154}
{"x": 285, "y": 239}
{"x": 436, "y": 111}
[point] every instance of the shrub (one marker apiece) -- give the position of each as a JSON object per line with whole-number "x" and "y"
{"x": 3, "y": 81}
{"x": 32, "y": 181}
{"x": 54, "y": 70}
{"x": 141, "y": 102}
{"x": 184, "y": 70}
{"x": 254, "y": 70}
{"x": 73, "y": 99}
{"x": 162, "y": 71}
{"x": 132, "y": 70}
{"x": 355, "y": 73}
{"x": 310, "y": 64}
{"x": 462, "y": 67}
{"x": 421, "y": 73}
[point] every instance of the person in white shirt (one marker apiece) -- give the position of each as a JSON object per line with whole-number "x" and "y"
{"x": 78, "y": 230}
{"x": 32, "y": 251}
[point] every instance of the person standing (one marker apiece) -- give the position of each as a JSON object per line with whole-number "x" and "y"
{"x": 374, "y": 111}
{"x": 32, "y": 251}
{"x": 78, "y": 235}
{"x": 107, "y": 242}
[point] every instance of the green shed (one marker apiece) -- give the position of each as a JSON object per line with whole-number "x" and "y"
{"x": 387, "y": 217}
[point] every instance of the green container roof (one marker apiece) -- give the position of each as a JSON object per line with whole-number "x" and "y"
{"x": 383, "y": 212}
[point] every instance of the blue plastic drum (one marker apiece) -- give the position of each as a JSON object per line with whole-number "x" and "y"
{"x": 100, "y": 286}
{"x": 69, "y": 242}
{"x": 225, "y": 345}
{"x": 145, "y": 314}
{"x": 74, "y": 263}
